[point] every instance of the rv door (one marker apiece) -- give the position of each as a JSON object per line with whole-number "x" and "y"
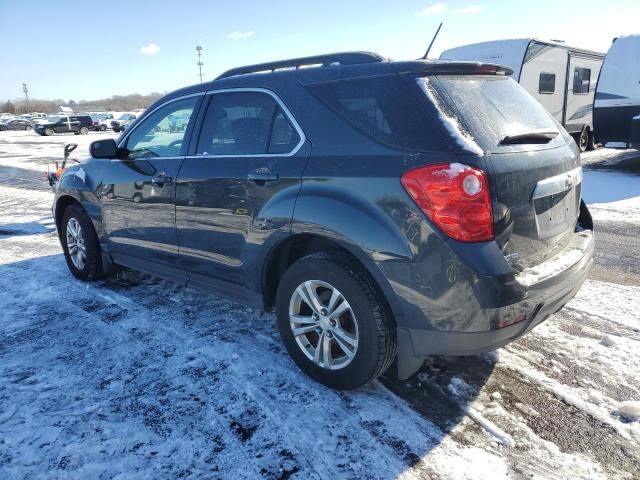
{"x": 543, "y": 75}
{"x": 583, "y": 74}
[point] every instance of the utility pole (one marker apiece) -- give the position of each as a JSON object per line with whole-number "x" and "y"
{"x": 200, "y": 64}
{"x": 26, "y": 94}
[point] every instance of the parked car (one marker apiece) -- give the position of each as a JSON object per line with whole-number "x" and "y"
{"x": 103, "y": 120}
{"x": 438, "y": 212}
{"x": 562, "y": 78}
{"x": 16, "y": 125}
{"x": 78, "y": 124}
{"x": 122, "y": 121}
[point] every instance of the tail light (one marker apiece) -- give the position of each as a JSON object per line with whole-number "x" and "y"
{"x": 455, "y": 197}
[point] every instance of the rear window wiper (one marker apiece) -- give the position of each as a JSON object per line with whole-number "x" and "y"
{"x": 534, "y": 136}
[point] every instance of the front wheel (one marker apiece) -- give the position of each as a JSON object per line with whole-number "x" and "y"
{"x": 80, "y": 244}
{"x": 103, "y": 128}
{"x": 334, "y": 322}
{"x": 49, "y": 131}
{"x": 28, "y": 128}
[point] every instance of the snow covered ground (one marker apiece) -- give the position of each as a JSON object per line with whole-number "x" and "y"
{"x": 134, "y": 377}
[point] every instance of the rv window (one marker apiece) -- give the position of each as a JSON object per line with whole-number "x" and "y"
{"x": 547, "y": 83}
{"x": 581, "y": 79}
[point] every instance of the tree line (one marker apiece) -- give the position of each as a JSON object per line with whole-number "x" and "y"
{"x": 116, "y": 103}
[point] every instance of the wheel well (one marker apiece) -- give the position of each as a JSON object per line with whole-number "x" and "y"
{"x": 292, "y": 249}
{"x": 61, "y": 206}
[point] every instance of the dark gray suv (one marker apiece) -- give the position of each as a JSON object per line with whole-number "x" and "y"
{"x": 385, "y": 210}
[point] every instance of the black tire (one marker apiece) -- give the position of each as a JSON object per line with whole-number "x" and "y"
{"x": 2, "y": 129}
{"x": 92, "y": 268}
{"x": 591, "y": 143}
{"x": 27, "y": 128}
{"x": 583, "y": 140}
{"x": 49, "y": 131}
{"x": 103, "y": 128}
{"x": 376, "y": 346}
{"x": 84, "y": 131}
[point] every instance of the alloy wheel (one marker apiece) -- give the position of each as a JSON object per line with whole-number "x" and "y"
{"x": 75, "y": 244}
{"x": 323, "y": 324}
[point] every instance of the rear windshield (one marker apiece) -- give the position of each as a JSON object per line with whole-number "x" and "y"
{"x": 490, "y": 107}
{"x": 383, "y": 108}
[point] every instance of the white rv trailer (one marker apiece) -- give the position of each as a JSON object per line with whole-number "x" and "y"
{"x": 618, "y": 93}
{"x": 561, "y": 78}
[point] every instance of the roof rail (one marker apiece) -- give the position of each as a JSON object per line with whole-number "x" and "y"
{"x": 344, "y": 58}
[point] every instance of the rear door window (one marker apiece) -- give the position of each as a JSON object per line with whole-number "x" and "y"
{"x": 381, "y": 107}
{"x": 489, "y": 107}
{"x": 246, "y": 123}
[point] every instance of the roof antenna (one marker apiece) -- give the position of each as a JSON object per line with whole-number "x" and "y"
{"x": 432, "y": 40}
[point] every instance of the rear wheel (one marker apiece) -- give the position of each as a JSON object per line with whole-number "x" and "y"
{"x": 27, "y": 128}
{"x": 49, "y": 131}
{"x": 591, "y": 143}
{"x": 84, "y": 130}
{"x": 103, "y": 128}
{"x": 333, "y": 321}
{"x": 80, "y": 244}
{"x": 583, "y": 140}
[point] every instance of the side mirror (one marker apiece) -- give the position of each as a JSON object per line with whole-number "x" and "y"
{"x": 104, "y": 149}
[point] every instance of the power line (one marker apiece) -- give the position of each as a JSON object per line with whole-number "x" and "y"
{"x": 200, "y": 64}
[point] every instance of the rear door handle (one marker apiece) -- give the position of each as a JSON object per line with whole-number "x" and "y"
{"x": 161, "y": 180}
{"x": 262, "y": 177}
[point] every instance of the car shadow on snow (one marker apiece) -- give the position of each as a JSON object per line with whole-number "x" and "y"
{"x": 28, "y": 228}
{"x": 151, "y": 365}
{"x": 443, "y": 388}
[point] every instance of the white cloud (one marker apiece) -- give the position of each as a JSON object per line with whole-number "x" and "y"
{"x": 469, "y": 9}
{"x": 435, "y": 8}
{"x": 150, "y": 49}
{"x": 240, "y": 35}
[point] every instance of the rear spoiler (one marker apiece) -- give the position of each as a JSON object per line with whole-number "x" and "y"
{"x": 444, "y": 67}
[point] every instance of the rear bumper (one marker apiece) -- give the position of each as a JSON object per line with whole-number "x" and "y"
{"x": 541, "y": 300}
{"x": 448, "y": 309}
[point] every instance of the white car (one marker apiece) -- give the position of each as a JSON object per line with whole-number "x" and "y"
{"x": 121, "y": 121}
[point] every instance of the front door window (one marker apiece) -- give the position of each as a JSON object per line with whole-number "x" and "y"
{"x": 157, "y": 135}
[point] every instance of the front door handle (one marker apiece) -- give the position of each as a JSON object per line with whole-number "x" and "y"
{"x": 262, "y": 177}
{"x": 161, "y": 180}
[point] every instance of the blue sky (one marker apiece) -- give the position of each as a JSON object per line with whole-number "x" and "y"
{"x": 88, "y": 50}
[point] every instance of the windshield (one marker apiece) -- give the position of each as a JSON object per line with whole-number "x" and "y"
{"x": 123, "y": 116}
{"x": 491, "y": 107}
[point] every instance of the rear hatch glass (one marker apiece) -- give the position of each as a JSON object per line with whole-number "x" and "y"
{"x": 495, "y": 111}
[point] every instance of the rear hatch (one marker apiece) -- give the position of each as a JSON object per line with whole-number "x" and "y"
{"x": 531, "y": 162}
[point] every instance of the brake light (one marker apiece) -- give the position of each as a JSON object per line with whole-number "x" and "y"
{"x": 455, "y": 197}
